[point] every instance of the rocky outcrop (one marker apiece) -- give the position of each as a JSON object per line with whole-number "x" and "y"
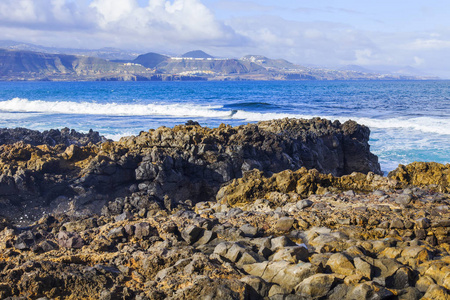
{"x": 168, "y": 166}
{"x": 303, "y": 183}
{"x": 426, "y": 174}
{"x": 51, "y": 137}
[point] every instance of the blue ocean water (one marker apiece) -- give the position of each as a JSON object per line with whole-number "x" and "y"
{"x": 409, "y": 120}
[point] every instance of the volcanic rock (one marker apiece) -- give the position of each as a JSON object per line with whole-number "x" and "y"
{"x": 168, "y": 166}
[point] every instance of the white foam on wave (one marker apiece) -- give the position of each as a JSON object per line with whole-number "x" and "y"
{"x": 112, "y": 109}
{"x": 423, "y": 124}
{"x": 118, "y": 136}
{"x": 18, "y": 105}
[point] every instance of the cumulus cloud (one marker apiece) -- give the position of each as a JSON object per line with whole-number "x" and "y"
{"x": 113, "y": 11}
{"x": 45, "y": 15}
{"x": 319, "y": 43}
{"x": 121, "y": 22}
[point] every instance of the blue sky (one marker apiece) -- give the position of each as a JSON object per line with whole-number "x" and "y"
{"x": 373, "y": 34}
{"x": 393, "y": 16}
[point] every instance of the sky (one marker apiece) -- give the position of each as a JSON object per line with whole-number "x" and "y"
{"x": 372, "y": 34}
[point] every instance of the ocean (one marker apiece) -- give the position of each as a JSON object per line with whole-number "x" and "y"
{"x": 409, "y": 120}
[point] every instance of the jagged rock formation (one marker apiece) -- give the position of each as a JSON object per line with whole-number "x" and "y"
{"x": 186, "y": 162}
{"x": 50, "y": 137}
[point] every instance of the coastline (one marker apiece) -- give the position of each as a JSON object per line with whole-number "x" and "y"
{"x": 281, "y": 208}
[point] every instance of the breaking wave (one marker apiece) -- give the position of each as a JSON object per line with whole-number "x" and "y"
{"x": 185, "y": 110}
{"x": 112, "y": 109}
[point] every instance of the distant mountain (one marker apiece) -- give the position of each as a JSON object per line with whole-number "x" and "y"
{"x": 150, "y": 60}
{"x": 16, "y": 62}
{"x": 205, "y": 66}
{"x": 196, "y": 54}
{"x": 29, "y": 65}
{"x": 389, "y": 70}
{"x": 32, "y": 65}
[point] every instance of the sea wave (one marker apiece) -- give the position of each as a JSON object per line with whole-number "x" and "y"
{"x": 112, "y": 109}
{"x": 185, "y": 110}
{"x": 423, "y": 124}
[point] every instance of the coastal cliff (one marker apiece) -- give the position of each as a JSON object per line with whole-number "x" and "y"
{"x": 284, "y": 209}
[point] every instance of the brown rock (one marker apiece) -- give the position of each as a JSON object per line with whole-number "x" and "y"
{"x": 292, "y": 254}
{"x": 142, "y": 230}
{"x": 423, "y": 223}
{"x": 316, "y": 286}
{"x": 363, "y": 268}
{"x": 397, "y": 224}
{"x": 70, "y": 240}
{"x": 423, "y": 283}
{"x": 436, "y": 292}
{"x": 424, "y": 174}
{"x": 284, "y": 224}
{"x": 341, "y": 264}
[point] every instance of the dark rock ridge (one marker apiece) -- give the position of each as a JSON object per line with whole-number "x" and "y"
{"x": 166, "y": 167}
{"x": 50, "y": 137}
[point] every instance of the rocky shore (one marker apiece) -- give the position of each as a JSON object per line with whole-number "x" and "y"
{"x": 285, "y": 209}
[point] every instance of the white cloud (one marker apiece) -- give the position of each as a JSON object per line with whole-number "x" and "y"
{"x": 161, "y": 22}
{"x": 18, "y": 11}
{"x": 110, "y": 11}
{"x": 320, "y": 43}
{"x": 53, "y": 15}
{"x": 119, "y": 22}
